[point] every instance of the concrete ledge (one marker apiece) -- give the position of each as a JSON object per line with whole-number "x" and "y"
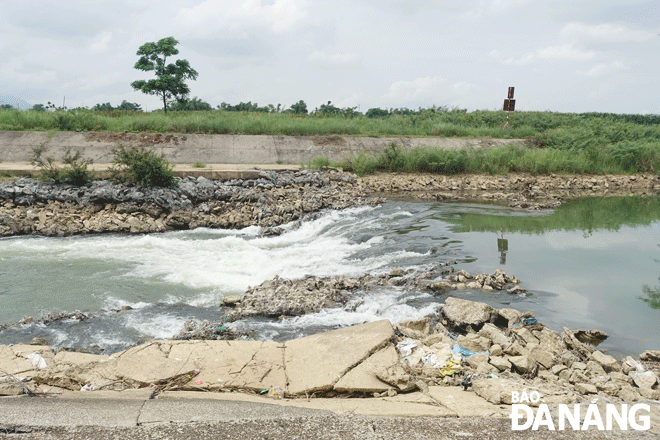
{"x": 16, "y": 146}
{"x": 210, "y": 171}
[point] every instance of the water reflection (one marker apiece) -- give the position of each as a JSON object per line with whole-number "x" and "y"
{"x": 653, "y": 296}
{"x": 586, "y": 215}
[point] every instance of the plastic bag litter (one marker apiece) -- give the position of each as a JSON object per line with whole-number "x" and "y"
{"x": 276, "y": 393}
{"x": 37, "y": 360}
{"x": 457, "y": 349}
{"x": 405, "y": 347}
{"x": 451, "y": 367}
{"x": 636, "y": 365}
{"x": 416, "y": 355}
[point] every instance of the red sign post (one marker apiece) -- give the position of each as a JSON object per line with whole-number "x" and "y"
{"x": 509, "y": 105}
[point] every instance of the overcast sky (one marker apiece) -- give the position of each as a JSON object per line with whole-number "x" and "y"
{"x": 567, "y": 56}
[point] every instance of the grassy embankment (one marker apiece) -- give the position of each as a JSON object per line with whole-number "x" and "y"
{"x": 594, "y": 143}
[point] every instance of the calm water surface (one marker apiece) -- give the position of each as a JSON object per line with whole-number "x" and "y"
{"x": 590, "y": 264}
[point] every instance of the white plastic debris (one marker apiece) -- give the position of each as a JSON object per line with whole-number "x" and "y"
{"x": 89, "y": 387}
{"x": 37, "y": 360}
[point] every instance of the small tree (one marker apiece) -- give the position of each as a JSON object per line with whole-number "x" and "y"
{"x": 194, "y": 104}
{"x": 299, "y": 108}
{"x": 170, "y": 78}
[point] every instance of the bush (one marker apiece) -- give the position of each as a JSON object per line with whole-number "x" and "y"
{"x": 143, "y": 166}
{"x": 75, "y": 173}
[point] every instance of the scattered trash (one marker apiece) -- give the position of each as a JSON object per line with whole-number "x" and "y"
{"x": 199, "y": 382}
{"x": 457, "y": 349}
{"x": 264, "y": 391}
{"x": 529, "y": 321}
{"x": 276, "y": 393}
{"x": 37, "y": 360}
{"x": 493, "y": 376}
{"x": 636, "y": 365}
{"x": 405, "y": 347}
{"x": 89, "y": 387}
{"x": 467, "y": 382}
{"x": 451, "y": 367}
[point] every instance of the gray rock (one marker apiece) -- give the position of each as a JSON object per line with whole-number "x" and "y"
{"x": 496, "y": 335}
{"x": 595, "y": 369}
{"x": 415, "y": 328}
{"x": 463, "y": 312}
{"x": 473, "y": 342}
{"x": 650, "y": 355}
{"x": 585, "y": 388}
{"x": 609, "y": 363}
{"x": 647, "y": 379}
{"x": 543, "y": 357}
{"x": 523, "y": 364}
{"x": 500, "y": 363}
{"x": 476, "y": 359}
{"x": 512, "y": 316}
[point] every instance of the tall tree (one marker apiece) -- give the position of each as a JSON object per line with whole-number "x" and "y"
{"x": 170, "y": 78}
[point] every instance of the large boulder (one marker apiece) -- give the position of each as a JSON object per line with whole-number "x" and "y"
{"x": 609, "y": 363}
{"x": 462, "y": 312}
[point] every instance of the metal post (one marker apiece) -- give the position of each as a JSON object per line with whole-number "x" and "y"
{"x": 509, "y": 105}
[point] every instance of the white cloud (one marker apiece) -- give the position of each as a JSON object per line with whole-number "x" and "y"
{"x": 601, "y": 68}
{"x": 606, "y": 33}
{"x": 463, "y": 87}
{"x": 417, "y": 88}
{"x": 334, "y": 61}
{"x": 100, "y": 43}
{"x": 239, "y": 18}
{"x": 494, "y": 7}
{"x": 566, "y": 52}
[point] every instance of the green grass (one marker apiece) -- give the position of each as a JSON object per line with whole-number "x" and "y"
{"x": 198, "y": 164}
{"x": 558, "y": 142}
{"x": 614, "y": 159}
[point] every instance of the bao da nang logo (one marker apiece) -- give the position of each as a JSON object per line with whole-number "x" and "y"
{"x": 576, "y": 417}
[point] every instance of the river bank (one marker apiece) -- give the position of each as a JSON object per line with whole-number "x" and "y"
{"x": 467, "y": 360}
{"x": 521, "y": 354}
{"x": 31, "y": 207}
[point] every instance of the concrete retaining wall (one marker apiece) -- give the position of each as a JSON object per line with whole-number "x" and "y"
{"x": 16, "y": 146}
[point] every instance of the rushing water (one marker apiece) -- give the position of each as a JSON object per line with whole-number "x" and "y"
{"x": 589, "y": 264}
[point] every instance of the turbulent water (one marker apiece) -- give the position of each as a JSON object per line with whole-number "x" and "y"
{"x": 582, "y": 270}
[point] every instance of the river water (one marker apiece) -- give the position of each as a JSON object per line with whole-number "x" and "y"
{"x": 592, "y": 263}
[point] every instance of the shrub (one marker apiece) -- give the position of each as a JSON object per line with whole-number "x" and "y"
{"x": 75, "y": 173}
{"x": 143, "y": 166}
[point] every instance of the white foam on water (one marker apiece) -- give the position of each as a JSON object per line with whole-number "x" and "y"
{"x": 112, "y": 302}
{"x": 163, "y": 326}
{"x": 377, "y": 305}
{"x": 227, "y": 261}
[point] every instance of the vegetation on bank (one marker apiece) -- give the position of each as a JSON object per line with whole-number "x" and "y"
{"x": 556, "y": 142}
{"x": 619, "y": 158}
{"x": 138, "y": 165}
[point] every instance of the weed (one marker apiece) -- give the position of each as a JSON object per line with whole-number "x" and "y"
{"x": 75, "y": 172}
{"x": 198, "y": 164}
{"x": 143, "y": 166}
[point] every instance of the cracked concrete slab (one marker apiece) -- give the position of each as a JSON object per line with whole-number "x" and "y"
{"x": 13, "y": 364}
{"x": 317, "y": 362}
{"x": 466, "y": 403}
{"x": 251, "y": 365}
{"x": 149, "y": 363}
{"x": 362, "y": 378}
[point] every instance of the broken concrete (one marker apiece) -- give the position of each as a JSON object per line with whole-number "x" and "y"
{"x": 333, "y": 353}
